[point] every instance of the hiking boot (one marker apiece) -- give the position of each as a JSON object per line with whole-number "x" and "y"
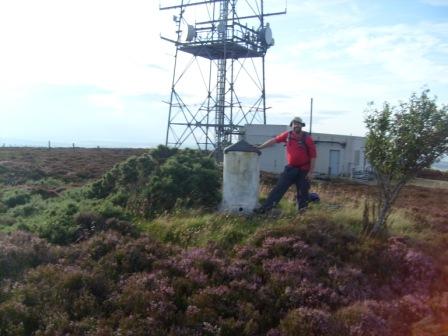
{"x": 259, "y": 211}
{"x": 263, "y": 209}
{"x": 301, "y": 211}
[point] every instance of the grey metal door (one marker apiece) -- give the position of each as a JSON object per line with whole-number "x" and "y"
{"x": 334, "y": 162}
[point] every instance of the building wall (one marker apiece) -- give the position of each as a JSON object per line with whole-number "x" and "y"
{"x": 337, "y": 155}
{"x": 272, "y": 159}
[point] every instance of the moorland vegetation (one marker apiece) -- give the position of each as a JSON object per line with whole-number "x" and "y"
{"x": 141, "y": 250}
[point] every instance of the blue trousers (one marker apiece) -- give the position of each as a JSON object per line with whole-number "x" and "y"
{"x": 291, "y": 175}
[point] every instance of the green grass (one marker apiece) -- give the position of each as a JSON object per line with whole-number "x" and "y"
{"x": 196, "y": 228}
{"x": 200, "y": 228}
{"x": 401, "y": 223}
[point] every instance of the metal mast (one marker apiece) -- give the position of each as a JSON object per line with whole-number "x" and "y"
{"x": 221, "y": 138}
{"x": 218, "y": 82}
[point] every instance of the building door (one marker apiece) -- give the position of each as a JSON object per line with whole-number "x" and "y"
{"x": 334, "y": 162}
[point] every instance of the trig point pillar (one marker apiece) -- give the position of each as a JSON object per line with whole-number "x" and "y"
{"x": 241, "y": 181}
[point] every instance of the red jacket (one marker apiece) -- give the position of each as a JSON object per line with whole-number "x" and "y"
{"x": 297, "y": 154}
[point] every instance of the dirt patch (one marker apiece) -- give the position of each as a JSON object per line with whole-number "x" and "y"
{"x": 429, "y": 183}
{"x": 430, "y": 203}
{"x": 71, "y": 165}
{"x": 433, "y": 174}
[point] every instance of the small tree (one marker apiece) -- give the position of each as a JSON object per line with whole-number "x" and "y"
{"x": 401, "y": 141}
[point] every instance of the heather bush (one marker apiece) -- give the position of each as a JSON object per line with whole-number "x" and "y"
{"x": 436, "y": 323}
{"x": 413, "y": 271}
{"x": 286, "y": 281}
{"x": 63, "y": 296}
{"x": 359, "y": 320}
{"x": 388, "y": 317}
{"x": 351, "y": 284}
{"x": 401, "y": 312}
{"x": 21, "y": 250}
{"x": 118, "y": 255}
{"x": 89, "y": 223}
{"x": 147, "y": 294}
{"x": 307, "y": 322}
{"x": 16, "y": 319}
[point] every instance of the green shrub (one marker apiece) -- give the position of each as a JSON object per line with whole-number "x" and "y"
{"x": 3, "y": 169}
{"x": 123, "y": 178}
{"x": 16, "y": 197}
{"x": 160, "y": 180}
{"x": 162, "y": 153}
{"x": 103, "y": 187}
{"x": 120, "y": 198}
{"x": 108, "y": 210}
{"x": 25, "y": 210}
{"x": 186, "y": 179}
{"x": 48, "y": 182}
{"x": 59, "y": 226}
{"x": 7, "y": 220}
{"x": 129, "y": 171}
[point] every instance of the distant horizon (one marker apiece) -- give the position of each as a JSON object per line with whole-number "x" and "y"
{"x": 7, "y": 142}
{"x": 441, "y": 165}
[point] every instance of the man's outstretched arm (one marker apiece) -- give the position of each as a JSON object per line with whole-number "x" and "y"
{"x": 268, "y": 143}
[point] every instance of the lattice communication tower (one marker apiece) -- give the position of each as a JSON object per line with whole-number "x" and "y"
{"x": 218, "y": 82}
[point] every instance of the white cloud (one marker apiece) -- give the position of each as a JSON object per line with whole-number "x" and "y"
{"x": 95, "y": 43}
{"x": 404, "y": 51}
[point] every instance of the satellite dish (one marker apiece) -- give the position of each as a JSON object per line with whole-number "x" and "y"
{"x": 191, "y": 33}
{"x": 267, "y": 32}
{"x": 221, "y": 27}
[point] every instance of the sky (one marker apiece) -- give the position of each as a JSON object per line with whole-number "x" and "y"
{"x": 96, "y": 72}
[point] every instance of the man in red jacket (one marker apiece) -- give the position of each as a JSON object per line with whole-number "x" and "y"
{"x": 301, "y": 157}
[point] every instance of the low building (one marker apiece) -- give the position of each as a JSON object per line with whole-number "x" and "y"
{"x": 337, "y": 155}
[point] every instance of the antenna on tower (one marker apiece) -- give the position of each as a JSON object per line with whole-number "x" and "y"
{"x": 218, "y": 82}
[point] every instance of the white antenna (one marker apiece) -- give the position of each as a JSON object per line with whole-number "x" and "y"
{"x": 268, "y": 35}
{"x": 191, "y": 33}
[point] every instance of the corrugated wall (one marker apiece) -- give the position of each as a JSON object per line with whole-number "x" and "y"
{"x": 338, "y": 155}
